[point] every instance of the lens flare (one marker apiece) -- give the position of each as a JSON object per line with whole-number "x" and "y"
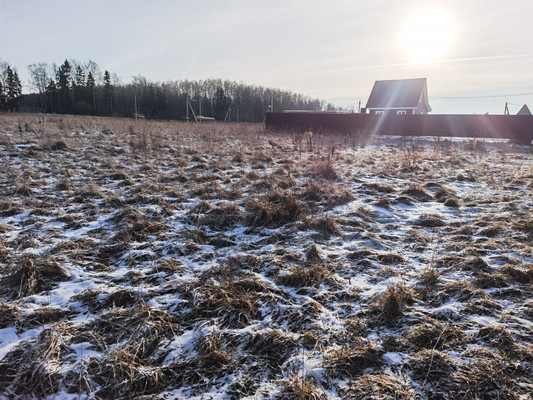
{"x": 428, "y": 35}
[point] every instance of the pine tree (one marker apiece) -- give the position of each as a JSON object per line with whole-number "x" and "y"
{"x": 90, "y": 90}
{"x": 2, "y": 97}
{"x": 221, "y": 104}
{"x": 78, "y": 88}
{"x": 63, "y": 88}
{"x": 18, "y": 90}
{"x": 13, "y": 90}
{"x": 51, "y": 97}
{"x": 108, "y": 94}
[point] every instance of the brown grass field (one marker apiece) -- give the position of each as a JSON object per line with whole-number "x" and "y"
{"x": 162, "y": 260}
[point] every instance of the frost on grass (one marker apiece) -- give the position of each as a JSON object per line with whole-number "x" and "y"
{"x": 173, "y": 260}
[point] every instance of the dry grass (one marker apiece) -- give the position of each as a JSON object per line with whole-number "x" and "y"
{"x": 307, "y": 275}
{"x": 379, "y": 386}
{"x": 353, "y": 361}
{"x": 392, "y": 304}
{"x": 429, "y": 276}
{"x": 33, "y": 369}
{"x": 273, "y": 210}
{"x": 326, "y": 227}
{"x": 31, "y": 276}
{"x": 297, "y": 388}
{"x": 151, "y": 259}
{"x": 436, "y": 335}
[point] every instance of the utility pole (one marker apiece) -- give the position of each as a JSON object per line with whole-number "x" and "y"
{"x": 200, "y": 108}
{"x": 228, "y": 114}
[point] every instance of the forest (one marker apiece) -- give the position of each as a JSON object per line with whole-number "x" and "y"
{"x": 84, "y": 89}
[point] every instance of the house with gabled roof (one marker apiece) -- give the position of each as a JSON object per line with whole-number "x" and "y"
{"x": 399, "y": 97}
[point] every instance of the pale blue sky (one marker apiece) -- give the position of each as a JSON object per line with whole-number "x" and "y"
{"x": 332, "y": 49}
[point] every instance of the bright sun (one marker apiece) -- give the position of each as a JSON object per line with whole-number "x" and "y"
{"x": 428, "y": 34}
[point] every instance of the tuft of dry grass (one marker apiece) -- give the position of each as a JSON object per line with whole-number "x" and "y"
{"x": 418, "y": 193}
{"x": 231, "y": 299}
{"x": 379, "y": 386}
{"x": 390, "y": 258}
{"x": 32, "y": 275}
{"x": 32, "y": 369}
{"x": 353, "y": 361}
{"x": 432, "y": 365}
{"x": 307, "y": 275}
{"x": 9, "y": 314}
{"x": 435, "y": 335}
{"x": 273, "y": 210}
{"x": 392, "y": 304}
{"x": 272, "y": 346}
{"x": 323, "y": 168}
{"x": 119, "y": 373}
{"x": 298, "y": 388}
{"x": 223, "y": 216}
{"x": 429, "y": 276}
{"x": 326, "y": 226}
{"x": 211, "y": 361}
{"x": 430, "y": 221}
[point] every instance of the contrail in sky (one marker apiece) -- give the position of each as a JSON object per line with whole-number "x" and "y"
{"x": 448, "y": 60}
{"x": 160, "y": 49}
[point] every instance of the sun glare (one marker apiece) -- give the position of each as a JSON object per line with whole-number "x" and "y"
{"x": 428, "y": 34}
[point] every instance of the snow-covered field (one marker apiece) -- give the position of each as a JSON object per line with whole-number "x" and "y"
{"x": 219, "y": 261}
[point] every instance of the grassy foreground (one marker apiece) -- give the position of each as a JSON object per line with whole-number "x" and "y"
{"x": 180, "y": 260}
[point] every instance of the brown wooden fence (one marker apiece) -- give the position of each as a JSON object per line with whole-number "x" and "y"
{"x": 518, "y": 128}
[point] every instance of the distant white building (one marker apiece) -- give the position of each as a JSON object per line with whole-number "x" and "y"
{"x": 400, "y": 97}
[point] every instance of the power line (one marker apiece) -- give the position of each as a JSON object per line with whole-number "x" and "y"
{"x": 482, "y": 97}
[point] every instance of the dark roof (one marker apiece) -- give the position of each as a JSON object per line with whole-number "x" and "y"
{"x": 524, "y": 110}
{"x": 397, "y": 93}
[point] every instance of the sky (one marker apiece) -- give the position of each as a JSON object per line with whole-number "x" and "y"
{"x": 476, "y": 54}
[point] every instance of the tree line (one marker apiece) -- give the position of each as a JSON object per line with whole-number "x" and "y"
{"x": 83, "y": 89}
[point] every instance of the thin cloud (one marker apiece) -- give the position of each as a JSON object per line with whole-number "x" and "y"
{"x": 407, "y": 64}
